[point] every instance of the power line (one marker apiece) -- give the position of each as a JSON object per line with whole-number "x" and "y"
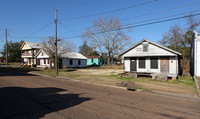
{"x": 133, "y": 24}
{"x": 138, "y": 25}
{"x": 66, "y": 27}
{"x": 115, "y": 10}
{"x": 37, "y": 30}
{"x": 190, "y": 12}
{"x": 29, "y": 36}
{"x": 161, "y": 11}
{"x": 165, "y": 17}
{"x": 150, "y": 13}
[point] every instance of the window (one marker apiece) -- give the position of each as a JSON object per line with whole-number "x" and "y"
{"x": 154, "y": 63}
{"x": 92, "y": 60}
{"x": 141, "y": 62}
{"x": 70, "y": 62}
{"x": 79, "y": 62}
{"x": 145, "y": 47}
{"x": 44, "y": 61}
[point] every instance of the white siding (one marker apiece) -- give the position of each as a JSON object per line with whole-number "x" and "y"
{"x": 127, "y": 64}
{"x": 26, "y": 60}
{"x": 66, "y": 63}
{"x": 141, "y": 69}
{"x": 152, "y": 51}
{"x": 195, "y": 55}
{"x": 173, "y": 65}
{"x": 197, "y": 58}
{"x": 42, "y": 55}
{"x": 42, "y": 63}
{"x": 26, "y": 47}
{"x": 148, "y": 66}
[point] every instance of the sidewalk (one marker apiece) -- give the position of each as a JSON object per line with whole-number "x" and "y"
{"x": 197, "y": 82}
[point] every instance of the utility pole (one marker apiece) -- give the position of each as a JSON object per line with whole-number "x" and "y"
{"x": 6, "y": 50}
{"x": 56, "y": 40}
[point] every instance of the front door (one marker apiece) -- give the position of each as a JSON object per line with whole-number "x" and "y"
{"x": 164, "y": 64}
{"x": 133, "y": 64}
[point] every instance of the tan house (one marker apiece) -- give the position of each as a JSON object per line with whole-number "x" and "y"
{"x": 29, "y": 50}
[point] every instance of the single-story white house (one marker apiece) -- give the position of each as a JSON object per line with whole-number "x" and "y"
{"x": 67, "y": 60}
{"x": 195, "y": 55}
{"x": 152, "y": 58}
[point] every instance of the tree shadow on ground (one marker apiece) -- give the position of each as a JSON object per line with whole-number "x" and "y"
{"x": 70, "y": 70}
{"x": 34, "y": 103}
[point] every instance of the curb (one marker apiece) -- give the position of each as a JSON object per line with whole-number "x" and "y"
{"x": 178, "y": 95}
{"x": 60, "y": 77}
{"x": 124, "y": 88}
{"x": 197, "y": 86}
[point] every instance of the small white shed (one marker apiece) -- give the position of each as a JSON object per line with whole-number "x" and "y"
{"x": 195, "y": 55}
{"x": 68, "y": 60}
{"x": 149, "y": 57}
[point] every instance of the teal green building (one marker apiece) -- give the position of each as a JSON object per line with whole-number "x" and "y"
{"x": 95, "y": 61}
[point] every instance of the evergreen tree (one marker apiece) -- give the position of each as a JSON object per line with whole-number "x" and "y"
{"x": 86, "y": 50}
{"x": 14, "y": 51}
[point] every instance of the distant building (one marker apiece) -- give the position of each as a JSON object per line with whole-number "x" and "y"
{"x": 67, "y": 60}
{"x": 195, "y": 55}
{"x": 149, "y": 57}
{"x": 29, "y": 50}
{"x": 95, "y": 60}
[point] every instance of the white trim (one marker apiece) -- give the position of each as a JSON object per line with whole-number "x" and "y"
{"x": 148, "y": 65}
{"x": 141, "y": 69}
{"x": 175, "y": 52}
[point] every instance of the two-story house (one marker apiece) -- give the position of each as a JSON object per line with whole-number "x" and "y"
{"x": 29, "y": 50}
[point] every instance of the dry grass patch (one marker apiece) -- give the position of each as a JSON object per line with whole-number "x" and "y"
{"x": 183, "y": 85}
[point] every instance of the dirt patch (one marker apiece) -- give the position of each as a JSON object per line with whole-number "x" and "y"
{"x": 100, "y": 71}
{"x": 110, "y": 77}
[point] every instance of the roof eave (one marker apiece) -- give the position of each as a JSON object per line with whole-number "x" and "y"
{"x": 175, "y": 52}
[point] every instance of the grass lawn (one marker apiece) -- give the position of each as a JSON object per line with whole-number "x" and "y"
{"x": 184, "y": 84}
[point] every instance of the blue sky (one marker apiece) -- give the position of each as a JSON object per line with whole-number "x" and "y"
{"x": 25, "y": 17}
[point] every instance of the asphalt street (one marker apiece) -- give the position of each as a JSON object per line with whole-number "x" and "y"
{"x": 28, "y": 96}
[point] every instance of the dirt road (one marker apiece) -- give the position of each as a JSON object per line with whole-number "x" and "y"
{"x": 31, "y": 96}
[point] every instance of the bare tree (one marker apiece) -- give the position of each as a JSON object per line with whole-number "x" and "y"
{"x": 48, "y": 46}
{"x": 173, "y": 38}
{"x": 107, "y": 36}
{"x": 179, "y": 39}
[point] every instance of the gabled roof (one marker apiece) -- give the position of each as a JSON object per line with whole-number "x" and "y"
{"x": 73, "y": 55}
{"x": 32, "y": 45}
{"x": 145, "y": 40}
{"x": 91, "y": 57}
{"x": 38, "y": 53}
{"x": 70, "y": 55}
